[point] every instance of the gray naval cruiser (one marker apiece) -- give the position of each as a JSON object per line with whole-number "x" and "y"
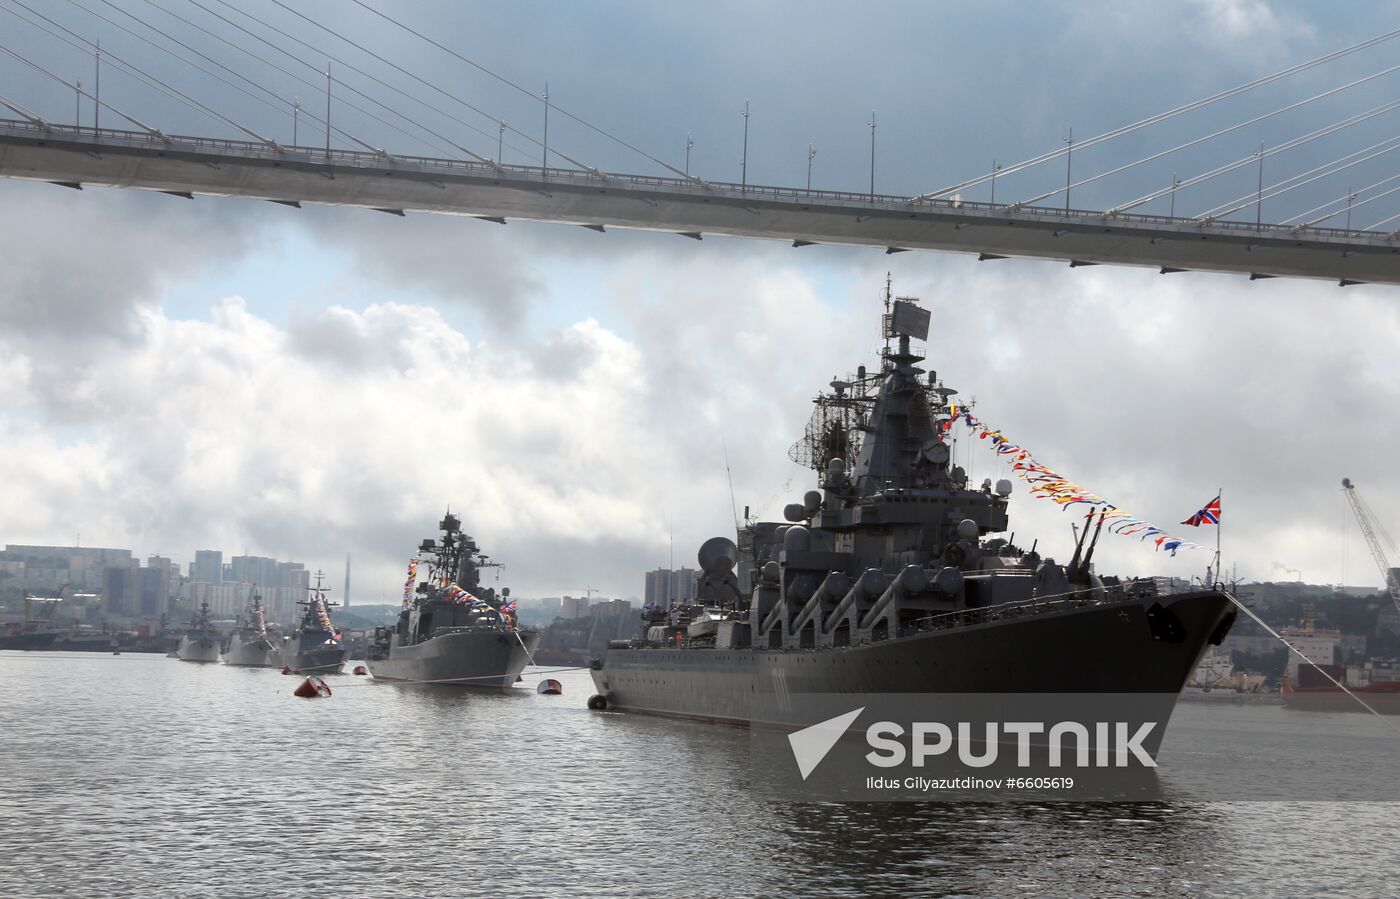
{"x": 453, "y": 630}
{"x": 199, "y": 642}
{"x": 895, "y": 577}
{"x": 251, "y": 646}
{"x": 315, "y": 646}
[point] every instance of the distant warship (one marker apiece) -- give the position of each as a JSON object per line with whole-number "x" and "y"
{"x": 452, "y": 630}
{"x": 889, "y": 580}
{"x": 315, "y": 646}
{"x": 199, "y": 643}
{"x": 250, "y": 645}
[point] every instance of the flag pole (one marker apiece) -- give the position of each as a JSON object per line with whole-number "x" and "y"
{"x": 1219, "y": 517}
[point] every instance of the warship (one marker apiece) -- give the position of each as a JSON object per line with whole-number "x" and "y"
{"x": 452, "y": 630}
{"x": 895, "y": 577}
{"x": 315, "y": 646}
{"x": 250, "y": 645}
{"x": 199, "y": 643}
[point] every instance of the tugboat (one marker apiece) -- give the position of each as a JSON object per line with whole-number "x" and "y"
{"x": 315, "y": 647}
{"x": 451, "y": 629}
{"x": 893, "y": 578}
{"x": 250, "y": 645}
{"x": 199, "y": 643}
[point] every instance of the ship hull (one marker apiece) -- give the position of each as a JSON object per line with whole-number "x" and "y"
{"x": 1385, "y": 700}
{"x": 197, "y": 649}
{"x": 320, "y": 660}
{"x": 258, "y": 653}
{"x": 1106, "y": 648}
{"x": 487, "y": 659}
{"x": 39, "y": 640}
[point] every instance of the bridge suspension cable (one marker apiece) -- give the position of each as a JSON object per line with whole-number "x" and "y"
{"x": 1279, "y": 188}
{"x": 1154, "y": 119}
{"x": 1318, "y": 221}
{"x": 501, "y": 78}
{"x": 135, "y": 72}
{"x": 282, "y": 102}
{"x": 363, "y": 49}
{"x": 1200, "y": 140}
{"x": 1255, "y": 157}
{"x": 279, "y": 106}
{"x": 479, "y": 157}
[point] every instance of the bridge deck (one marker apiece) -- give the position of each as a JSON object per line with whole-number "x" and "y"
{"x": 197, "y": 165}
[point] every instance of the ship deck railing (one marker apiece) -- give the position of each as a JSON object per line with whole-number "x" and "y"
{"x": 1077, "y": 599}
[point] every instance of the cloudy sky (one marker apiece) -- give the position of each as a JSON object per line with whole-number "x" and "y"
{"x": 177, "y": 375}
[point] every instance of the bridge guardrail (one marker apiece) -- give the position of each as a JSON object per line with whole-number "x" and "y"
{"x": 363, "y": 159}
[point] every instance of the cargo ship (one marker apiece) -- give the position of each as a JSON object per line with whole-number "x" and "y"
{"x": 1311, "y": 688}
{"x": 37, "y": 630}
{"x": 896, "y": 576}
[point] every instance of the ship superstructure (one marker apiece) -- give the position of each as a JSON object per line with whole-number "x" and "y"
{"x": 453, "y": 629}
{"x": 896, "y": 575}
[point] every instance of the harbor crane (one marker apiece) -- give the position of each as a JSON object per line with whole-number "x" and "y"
{"x": 1376, "y": 538}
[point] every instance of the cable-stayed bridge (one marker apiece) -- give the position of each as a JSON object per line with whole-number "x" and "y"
{"x": 345, "y": 169}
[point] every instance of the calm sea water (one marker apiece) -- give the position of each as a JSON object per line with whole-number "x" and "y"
{"x": 139, "y": 775}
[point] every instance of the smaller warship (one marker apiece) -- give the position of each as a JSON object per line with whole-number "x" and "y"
{"x": 250, "y": 646}
{"x": 315, "y": 646}
{"x": 199, "y": 643}
{"x": 451, "y": 629}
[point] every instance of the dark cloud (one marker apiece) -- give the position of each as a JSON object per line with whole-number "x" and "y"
{"x": 78, "y": 266}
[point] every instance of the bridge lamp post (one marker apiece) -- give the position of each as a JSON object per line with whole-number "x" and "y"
{"x": 78, "y": 105}
{"x": 97, "y": 87}
{"x": 872, "y": 156}
{"x": 995, "y": 168}
{"x": 811, "y": 154}
{"x": 328, "y": 110}
{"x": 296, "y": 117}
{"x": 1259, "y": 197}
{"x": 1069, "y": 159}
{"x": 744, "y": 159}
{"x": 689, "y": 142}
{"x": 500, "y": 140}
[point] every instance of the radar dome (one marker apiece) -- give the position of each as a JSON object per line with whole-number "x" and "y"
{"x": 812, "y": 500}
{"x": 718, "y": 554}
{"x": 795, "y": 512}
{"x": 967, "y": 529}
{"x": 1003, "y": 487}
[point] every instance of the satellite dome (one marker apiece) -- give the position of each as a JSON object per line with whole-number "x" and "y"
{"x": 717, "y": 554}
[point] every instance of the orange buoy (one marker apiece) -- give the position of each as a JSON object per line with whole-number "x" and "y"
{"x": 311, "y": 688}
{"x": 360, "y": 669}
{"x": 550, "y": 687}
